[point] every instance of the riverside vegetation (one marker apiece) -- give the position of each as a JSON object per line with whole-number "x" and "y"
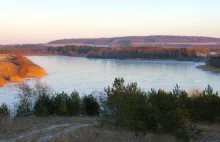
{"x": 212, "y": 64}
{"x": 125, "y": 108}
{"x": 195, "y": 54}
{"x": 182, "y": 54}
{"x": 13, "y": 68}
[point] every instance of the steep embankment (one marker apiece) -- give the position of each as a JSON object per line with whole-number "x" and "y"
{"x": 13, "y": 68}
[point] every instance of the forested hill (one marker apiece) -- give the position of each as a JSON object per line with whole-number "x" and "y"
{"x": 142, "y": 40}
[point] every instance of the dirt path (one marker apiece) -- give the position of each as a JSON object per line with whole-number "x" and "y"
{"x": 50, "y": 136}
{"x": 38, "y": 131}
{"x": 47, "y": 133}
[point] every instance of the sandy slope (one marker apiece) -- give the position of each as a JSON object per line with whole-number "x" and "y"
{"x": 9, "y": 70}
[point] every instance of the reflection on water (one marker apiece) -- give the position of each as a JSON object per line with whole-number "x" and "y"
{"x": 87, "y": 75}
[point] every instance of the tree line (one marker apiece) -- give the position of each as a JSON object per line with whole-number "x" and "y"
{"x": 144, "y": 53}
{"x": 113, "y": 53}
{"x": 40, "y": 101}
{"x": 128, "y": 52}
{"x": 125, "y": 106}
{"x": 213, "y": 61}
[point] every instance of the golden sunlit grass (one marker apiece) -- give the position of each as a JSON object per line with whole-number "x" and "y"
{"x": 11, "y": 71}
{"x": 35, "y": 71}
{"x": 209, "y": 68}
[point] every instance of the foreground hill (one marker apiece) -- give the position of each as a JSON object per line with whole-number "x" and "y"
{"x": 170, "y": 41}
{"x": 14, "y": 68}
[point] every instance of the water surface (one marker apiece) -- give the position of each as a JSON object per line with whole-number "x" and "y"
{"x": 88, "y": 75}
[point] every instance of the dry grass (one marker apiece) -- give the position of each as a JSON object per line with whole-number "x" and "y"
{"x": 11, "y": 128}
{"x": 9, "y": 70}
{"x": 35, "y": 71}
{"x": 96, "y": 134}
{"x": 210, "y": 133}
{"x": 209, "y": 68}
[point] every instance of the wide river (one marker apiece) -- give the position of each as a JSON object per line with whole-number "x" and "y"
{"x": 88, "y": 75}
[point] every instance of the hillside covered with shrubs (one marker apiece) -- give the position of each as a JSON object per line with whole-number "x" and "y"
{"x": 125, "y": 106}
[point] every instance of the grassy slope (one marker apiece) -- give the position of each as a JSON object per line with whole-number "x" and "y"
{"x": 209, "y": 133}
{"x": 9, "y": 70}
{"x": 12, "y": 128}
{"x": 97, "y": 134}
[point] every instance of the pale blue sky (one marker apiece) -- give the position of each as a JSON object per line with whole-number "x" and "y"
{"x": 36, "y": 21}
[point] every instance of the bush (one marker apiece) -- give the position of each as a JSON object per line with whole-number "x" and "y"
{"x": 26, "y": 98}
{"x": 4, "y": 119}
{"x": 60, "y": 104}
{"x": 24, "y": 110}
{"x": 23, "y": 63}
{"x": 43, "y": 106}
{"x": 91, "y": 106}
{"x": 4, "y": 111}
{"x": 172, "y": 113}
{"x": 206, "y": 106}
{"x": 74, "y": 104}
{"x": 127, "y": 105}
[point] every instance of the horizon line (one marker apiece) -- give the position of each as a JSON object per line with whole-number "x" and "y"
{"x": 110, "y": 37}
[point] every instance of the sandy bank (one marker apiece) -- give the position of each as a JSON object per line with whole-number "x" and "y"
{"x": 15, "y": 69}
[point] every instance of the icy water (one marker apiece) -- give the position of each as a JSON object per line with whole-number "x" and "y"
{"x": 88, "y": 75}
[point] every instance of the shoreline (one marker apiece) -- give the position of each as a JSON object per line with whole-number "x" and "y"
{"x": 134, "y": 59}
{"x": 209, "y": 68}
{"x": 128, "y": 59}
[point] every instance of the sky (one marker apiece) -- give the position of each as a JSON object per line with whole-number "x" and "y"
{"x": 40, "y": 21}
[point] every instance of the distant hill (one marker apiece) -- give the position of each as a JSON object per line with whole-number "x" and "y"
{"x": 161, "y": 41}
